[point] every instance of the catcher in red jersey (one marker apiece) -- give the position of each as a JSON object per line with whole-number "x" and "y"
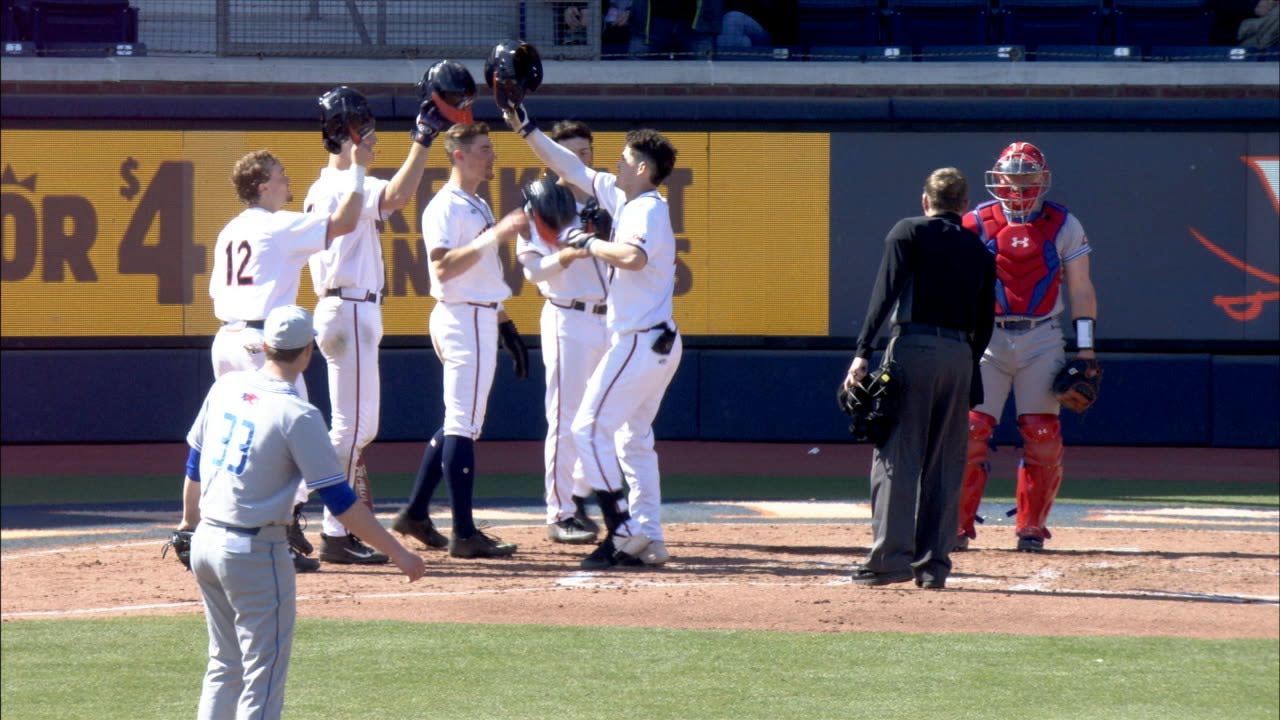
{"x": 1038, "y": 245}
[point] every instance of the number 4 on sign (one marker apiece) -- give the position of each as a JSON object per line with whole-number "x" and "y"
{"x": 173, "y": 258}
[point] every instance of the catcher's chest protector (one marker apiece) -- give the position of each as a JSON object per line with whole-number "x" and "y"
{"x": 1028, "y": 267}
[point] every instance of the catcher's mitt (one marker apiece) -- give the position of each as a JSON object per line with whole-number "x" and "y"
{"x": 872, "y": 404}
{"x": 180, "y": 541}
{"x": 1076, "y": 385}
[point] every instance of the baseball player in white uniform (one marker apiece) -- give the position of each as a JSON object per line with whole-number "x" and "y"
{"x": 467, "y": 282}
{"x": 257, "y": 260}
{"x": 254, "y": 440}
{"x": 349, "y": 279}
{"x": 575, "y": 337}
{"x": 625, "y": 391}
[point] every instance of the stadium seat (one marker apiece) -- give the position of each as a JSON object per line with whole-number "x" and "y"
{"x": 865, "y": 53}
{"x": 839, "y": 22}
{"x": 1086, "y": 53}
{"x": 1162, "y": 22}
{"x": 973, "y": 53}
{"x": 1200, "y": 53}
{"x": 82, "y": 27}
{"x": 1050, "y": 22}
{"x": 938, "y": 22}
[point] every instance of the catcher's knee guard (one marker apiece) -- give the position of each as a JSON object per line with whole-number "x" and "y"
{"x": 976, "y": 471}
{"x": 1039, "y": 473}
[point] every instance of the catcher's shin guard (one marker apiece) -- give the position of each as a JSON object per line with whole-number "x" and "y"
{"x": 1039, "y": 473}
{"x": 976, "y": 471}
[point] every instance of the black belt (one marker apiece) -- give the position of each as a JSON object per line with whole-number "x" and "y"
{"x": 369, "y": 296}
{"x": 580, "y": 306}
{"x": 1021, "y": 324}
{"x": 491, "y": 305}
{"x": 255, "y": 324}
{"x": 925, "y": 329}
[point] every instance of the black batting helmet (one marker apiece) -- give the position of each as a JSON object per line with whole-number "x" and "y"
{"x": 550, "y": 206}
{"x": 449, "y": 81}
{"x": 344, "y": 115}
{"x": 512, "y": 69}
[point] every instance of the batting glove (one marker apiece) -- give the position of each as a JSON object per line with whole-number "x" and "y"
{"x": 430, "y": 123}
{"x": 520, "y": 120}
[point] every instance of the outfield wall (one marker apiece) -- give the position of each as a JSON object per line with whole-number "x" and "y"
{"x": 109, "y": 224}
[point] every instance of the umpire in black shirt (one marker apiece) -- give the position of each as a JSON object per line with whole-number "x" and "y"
{"x": 938, "y": 280}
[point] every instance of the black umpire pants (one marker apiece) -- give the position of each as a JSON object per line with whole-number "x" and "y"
{"x": 916, "y": 474}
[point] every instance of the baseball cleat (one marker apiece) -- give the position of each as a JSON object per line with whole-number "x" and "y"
{"x": 303, "y": 564}
{"x": 583, "y": 518}
{"x": 962, "y": 544}
{"x": 349, "y": 550}
{"x": 624, "y": 550}
{"x": 872, "y": 578}
{"x": 570, "y": 532}
{"x": 424, "y": 531}
{"x": 480, "y": 545}
{"x": 1030, "y": 544}
{"x": 297, "y": 539}
{"x": 656, "y": 553}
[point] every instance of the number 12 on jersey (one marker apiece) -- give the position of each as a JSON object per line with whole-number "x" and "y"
{"x": 245, "y": 431}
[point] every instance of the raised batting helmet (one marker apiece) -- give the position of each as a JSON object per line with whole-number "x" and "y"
{"x": 513, "y": 69}
{"x": 450, "y": 86}
{"x": 550, "y": 206}
{"x": 1019, "y": 180}
{"x": 344, "y": 115}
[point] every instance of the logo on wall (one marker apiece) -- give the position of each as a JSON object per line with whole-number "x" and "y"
{"x": 1243, "y": 308}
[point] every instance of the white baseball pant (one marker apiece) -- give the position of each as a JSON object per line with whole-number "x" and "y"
{"x": 349, "y": 332}
{"x": 614, "y": 424}
{"x": 465, "y": 338}
{"x": 573, "y": 343}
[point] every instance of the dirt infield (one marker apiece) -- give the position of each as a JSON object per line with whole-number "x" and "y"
{"x": 785, "y": 576}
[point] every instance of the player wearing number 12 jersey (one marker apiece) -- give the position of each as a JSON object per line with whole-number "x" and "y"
{"x": 259, "y": 256}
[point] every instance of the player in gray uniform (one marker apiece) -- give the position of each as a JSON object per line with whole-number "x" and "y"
{"x": 257, "y": 260}
{"x": 252, "y": 443}
{"x": 574, "y": 339}
{"x": 467, "y": 282}
{"x": 625, "y": 391}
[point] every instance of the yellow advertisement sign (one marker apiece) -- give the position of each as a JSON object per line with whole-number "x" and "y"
{"x": 110, "y": 233}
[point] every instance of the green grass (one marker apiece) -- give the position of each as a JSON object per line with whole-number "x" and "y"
{"x": 17, "y": 490}
{"x": 140, "y": 668}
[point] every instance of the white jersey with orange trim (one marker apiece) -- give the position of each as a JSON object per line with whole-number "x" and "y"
{"x": 453, "y": 219}
{"x": 586, "y": 279}
{"x": 353, "y": 260}
{"x": 640, "y": 299}
{"x": 258, "y": 259}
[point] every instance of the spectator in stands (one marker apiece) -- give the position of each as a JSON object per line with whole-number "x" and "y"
{"x": 740, "y": 26}
{"x": 675, "y": 28}
{"x": 616, "y": 37}
{"x": 1261, "y": 32}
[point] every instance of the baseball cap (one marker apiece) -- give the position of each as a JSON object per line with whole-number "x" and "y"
{"x": 288, "y": 327}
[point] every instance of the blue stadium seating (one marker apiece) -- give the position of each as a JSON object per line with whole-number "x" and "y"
{"x": 1200, "y": 53}
{"x": 938, "y": 22}
{"x": 1086, "y": 53}
{"x": 973, "y": 53}
{"x": 1050, "y": 22}
{"x": 864, "y": 53}
{"x": 839, "y": 22}
{"x": 1162, "y": 22}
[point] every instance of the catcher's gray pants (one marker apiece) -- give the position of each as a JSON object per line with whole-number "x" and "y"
{"x": 916, "y": 475}
{"x": 250, "y": 602}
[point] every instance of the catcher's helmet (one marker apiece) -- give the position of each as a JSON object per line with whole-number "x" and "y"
{"x": 344, "y": 115}
{"x": 512, "y": 69}
{"x": 1019, "y": 180}
{"x": 450, "y": 84}
{"x": 550, "y": 206}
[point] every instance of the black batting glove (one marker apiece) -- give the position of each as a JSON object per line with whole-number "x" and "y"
{"x": 510, "y": 341}
{"x": 519, "y": 119}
